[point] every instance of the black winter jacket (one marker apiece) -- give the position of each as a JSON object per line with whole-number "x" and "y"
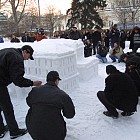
{"x": 134, "y": 73}
{"x": 132, "y": 60}
{"x": 44, "y": 119}
{"x": 15, "y": 40}
{"x": 115, "y": 35}
{"x": 25, "y": 39}
{"x": 102, "y": 51}
{"x": 12, "y": 68}
{"x": 74, "y": 35}
{"x": 121, "y": 91}
{"x": 96, "y": 37}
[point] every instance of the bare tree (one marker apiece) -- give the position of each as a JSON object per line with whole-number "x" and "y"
{"x": 2, "y": 3}
{"x": 52, "y": 19}
{"x": 23, "y": 14}
{"x": 30, "y": 20}
{"x": 16, "y": 8}
{"x": 127, "y": 11}
{"x": 17, "y": 16}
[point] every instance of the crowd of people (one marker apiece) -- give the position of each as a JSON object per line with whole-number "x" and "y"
{"x": 122, "y": 89}
{"x": 102, "y": 42}
{"x": 27, "y": 37}
{"x": 48, "y": 104}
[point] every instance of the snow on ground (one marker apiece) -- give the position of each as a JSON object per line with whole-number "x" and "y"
{"x": 89, "y": 122}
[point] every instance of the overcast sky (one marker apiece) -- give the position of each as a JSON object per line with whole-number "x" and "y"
{"x": 62, "y": 5}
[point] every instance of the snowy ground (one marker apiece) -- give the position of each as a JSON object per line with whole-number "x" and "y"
{"x": 89, "y": 123}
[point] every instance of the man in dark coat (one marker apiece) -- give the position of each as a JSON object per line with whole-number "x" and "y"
{"x": 120, "y": 93}
{"x": 114, "y": 35}
{"x": 130, "y": 59}
{"x": 123, "y": 37}
{"x": 14, "y": 39}
{"x": 96, "y": 37}
{"x": 74, "y": 34}
{"x": 135, "y": 39}
{"x": 132, "y": 68}
{"x": 134, "y": 72}
{"x": 25, "y": 37}
{"x": 12, "y": 70}
{"x": 47, "y": 103}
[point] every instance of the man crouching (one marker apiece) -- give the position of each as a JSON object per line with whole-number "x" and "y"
{"x": 120, "y": 93}
{"x": 44, "y": 119}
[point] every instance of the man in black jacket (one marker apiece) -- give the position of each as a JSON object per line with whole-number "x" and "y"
{"x": 102, "y": 52}
{"x": 74, "y": 34}
{"x": 12, "y": 70}
{"x": 47, "y": 103}
{"x": 132, "y": 68}
{"x": 25, "y": 37}
{"x": 114, "y": 35}
{"x": 130, "y": 58}
{"x": 120, "y": 93}
{"x": 96, "y": 37}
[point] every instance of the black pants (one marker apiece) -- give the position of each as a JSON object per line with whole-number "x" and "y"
{"x": 94, "y": 49}
{"x": 42, "y": 130}
{"x": 87, "y": 52}
{"x": 109, "y": 106}
{"x": 7, "y": 108}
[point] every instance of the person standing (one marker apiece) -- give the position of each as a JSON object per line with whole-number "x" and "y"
{"x": 107, "y": 37}
{"x": 12, "y": 71}
{"x": 96, "y": 37}
{"x": 25, "y": 37}
{"x": 74, "y": 34}
{"x": 120, "y": 93}
{"x": 135, "y": 39}
{"x": 47, "y": 103}
{"x": 1, "y": 40}
{"x": 114, "y": 35}
{"x": 32, "y": 37}
{"x": 88, "y": 48}
{"x": 123, "y": 37}
{"x": 14, "y": 39}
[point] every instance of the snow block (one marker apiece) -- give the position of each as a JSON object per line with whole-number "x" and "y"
{"x": 63, "y": 55}
{"x": 87, "y": 68}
